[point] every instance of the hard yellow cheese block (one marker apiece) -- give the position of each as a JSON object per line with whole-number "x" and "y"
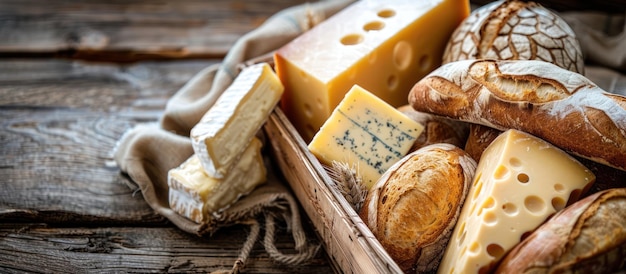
{"x": 383, "y": 46}
{"x": 195, "y": 195}
{"x": 366, "y": 131}
{"x": 520, "y": 181}
{"x": 228, "y": 126}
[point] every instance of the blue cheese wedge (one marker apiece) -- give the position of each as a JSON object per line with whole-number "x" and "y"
{"x": 226, "y": 128}
{"x": 195, "y": 195}
{"x": 365, "y": 131}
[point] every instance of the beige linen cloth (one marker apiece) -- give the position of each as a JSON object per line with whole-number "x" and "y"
{"x": 147, "y": 152}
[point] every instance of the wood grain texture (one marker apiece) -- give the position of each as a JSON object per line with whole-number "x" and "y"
{"x": 33, "y": 247}
{"x": 60, "y": 123}
{"x": 129, "y": 30}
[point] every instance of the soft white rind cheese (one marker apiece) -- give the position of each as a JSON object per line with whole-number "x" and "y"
{"x": 366, "y": 131}
{"x": 227, "y": 127}
{"x": 195, "y": 195}
{"x": 520, "y": 181}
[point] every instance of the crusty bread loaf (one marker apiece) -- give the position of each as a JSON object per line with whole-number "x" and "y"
{"x": 437, "y": 129}
{"x": 478, "y": 140}
{"x": 515, "y": 30}
{"x": 557, "y": 105}
{"x": 589, "y": 236}
{"x": 413, "y": 207}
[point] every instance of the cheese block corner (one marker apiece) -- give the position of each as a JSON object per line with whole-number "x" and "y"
{"x": 227, "y": 127}
{"x": 520, "y": 181}
{"x": 383, "y": 46}
{"x": 366, "y": 131}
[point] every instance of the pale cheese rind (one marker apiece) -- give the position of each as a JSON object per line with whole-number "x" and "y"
{"x": 195, "y": 195}
{"x": 383, "y": 46}
{"x": 520, "y": 181}
{"x": 366, "y": 132}
{"x": 228, "y": 126}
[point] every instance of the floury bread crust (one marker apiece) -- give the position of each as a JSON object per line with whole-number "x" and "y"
{"x": 557, "y": 105}
{"x": 413, "y": 207}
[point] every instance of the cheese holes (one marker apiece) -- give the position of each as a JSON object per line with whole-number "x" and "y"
{"x": 402, "y": 55}
{"x": 308, "y": 111}
{"x": 392, "y": 82}
{"x": 352, "y": 39}
{"x": 474, "y": 247}
{"x": 386, "y": 13}
{"x": 558, "y": 203}
{"x": 374, "y": 25}
{"x": 509, "y": 209}
{"x": 501, "y": 172}
{"x": 477, "y": 189}
{"x": 516, "y": 162}
{"x": 523, "y": 178}
{"x": 490, "y": 218}
{"x": 487, "y": 204}
{"x": 461, "y": 232}
{"x": 559, "y": 188}
{"x": 534, "y": 204}
{"x": 495, "y": 250}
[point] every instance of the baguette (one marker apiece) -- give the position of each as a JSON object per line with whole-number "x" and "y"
{"x": 540, "y": 98}
{"x": 413, "y": 207}
{"x": 587, "y": 237}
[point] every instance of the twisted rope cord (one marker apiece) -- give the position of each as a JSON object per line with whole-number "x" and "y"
{"x": 305, "y": 252}
{"x": 240, "y": 263}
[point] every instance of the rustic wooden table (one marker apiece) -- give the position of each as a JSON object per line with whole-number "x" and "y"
{"x": 74, "y": 76}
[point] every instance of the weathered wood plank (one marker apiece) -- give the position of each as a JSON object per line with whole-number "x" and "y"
{"x": 129, "y": 30}
{"x": 59, "y": 123}
{"x": 38, "y": 248}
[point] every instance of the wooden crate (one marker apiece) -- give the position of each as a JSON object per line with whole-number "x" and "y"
{"x": 348, "y": 241}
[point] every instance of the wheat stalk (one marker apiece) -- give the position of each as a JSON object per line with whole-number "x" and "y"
{"x": 347, "y": 180}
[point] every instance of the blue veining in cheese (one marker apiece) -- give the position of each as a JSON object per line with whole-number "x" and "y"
{"x": 366, "y": 131}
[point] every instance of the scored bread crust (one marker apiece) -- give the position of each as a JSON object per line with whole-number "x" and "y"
{"x": 413, "y": 207}
{"x": 557, "y": 105}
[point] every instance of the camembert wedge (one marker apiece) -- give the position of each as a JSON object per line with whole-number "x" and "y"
{"x": 226, "y": 129}
{"x": 195, "y": 195}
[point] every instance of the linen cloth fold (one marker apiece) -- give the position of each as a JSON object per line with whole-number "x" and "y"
{"x": 148, "y": 151}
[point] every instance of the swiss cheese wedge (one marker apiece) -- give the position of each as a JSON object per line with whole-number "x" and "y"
{"x": 520, "y": 181}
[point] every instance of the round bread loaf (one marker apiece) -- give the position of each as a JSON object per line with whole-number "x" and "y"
{"x": 413, "y": 207}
